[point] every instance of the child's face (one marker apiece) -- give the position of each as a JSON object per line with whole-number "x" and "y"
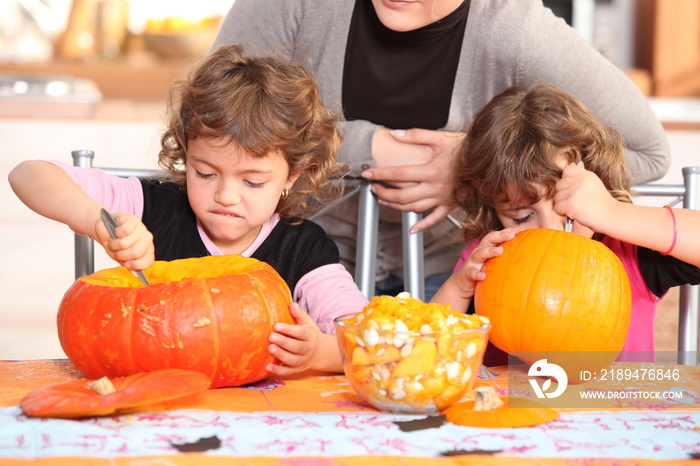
{"x": 233, "y": 193}
{"x": 541, "y": 214}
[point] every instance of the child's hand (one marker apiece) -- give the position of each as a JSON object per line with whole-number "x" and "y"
{"x": 458, "y": 290}
{"x": 581, "y": 195}
{"x": 490, "y": 246}
{"x": 294, "y": 346}
{"x": 133, "y": 247}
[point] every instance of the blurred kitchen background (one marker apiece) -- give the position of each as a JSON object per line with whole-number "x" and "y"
{"x": 92, "y": 74}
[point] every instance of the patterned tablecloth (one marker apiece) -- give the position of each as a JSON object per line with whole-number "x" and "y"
{"x": 318, "y": 419}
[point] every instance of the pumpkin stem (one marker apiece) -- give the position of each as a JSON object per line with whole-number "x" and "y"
{"x": 102, "y": 386}
{"x": 487, "y": 399}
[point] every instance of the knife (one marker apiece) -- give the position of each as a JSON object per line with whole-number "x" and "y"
{"x": 111, "y": 224}
{"x": 570, "y": 221}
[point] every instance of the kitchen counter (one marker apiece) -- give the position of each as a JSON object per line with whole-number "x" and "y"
{"x": 141, "y": 78}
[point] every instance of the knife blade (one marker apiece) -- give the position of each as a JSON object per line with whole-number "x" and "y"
{"x": 570, "y": 221}
{"x": 111, "y": 224}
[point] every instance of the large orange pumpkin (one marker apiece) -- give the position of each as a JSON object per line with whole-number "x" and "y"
{"x": 554, "y": 291}
{"x": 212, "y": 314}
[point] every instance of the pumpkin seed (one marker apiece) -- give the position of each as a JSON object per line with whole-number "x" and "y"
{"x": 407, "y": 349}
{"x": 471, "y": 349}
{"x": 371, "y": 337}
{"x": 201, "y": 322}
{"x": 452, "y": 370}
{"x": 467, "y": 375}
{"x": 398, "y": 394}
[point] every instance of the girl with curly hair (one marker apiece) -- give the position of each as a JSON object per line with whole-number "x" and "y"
{"x": 518, "y": 168}
{"x": 249, "y": 150}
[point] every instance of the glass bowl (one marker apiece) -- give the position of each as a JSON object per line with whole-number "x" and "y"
{"x": 404, "y": 371}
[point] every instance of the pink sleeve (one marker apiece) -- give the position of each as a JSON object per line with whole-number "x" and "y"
{"x": 465, "y": 254}
{"x": 328, "y": 292}
{"x": 114, "y": 193}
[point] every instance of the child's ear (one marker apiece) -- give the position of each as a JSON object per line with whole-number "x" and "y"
{"x": 563, "y": 158}
{"x": 293, "y": 177}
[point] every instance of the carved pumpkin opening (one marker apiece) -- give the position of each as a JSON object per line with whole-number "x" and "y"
{"x": 177, "y": 270}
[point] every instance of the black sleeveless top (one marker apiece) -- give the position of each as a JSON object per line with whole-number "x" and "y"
{"x": 292, "y": 250}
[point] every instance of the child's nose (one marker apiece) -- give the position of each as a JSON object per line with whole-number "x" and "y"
{"x": 226, "y": 194}
{"x": 553, "y": 221}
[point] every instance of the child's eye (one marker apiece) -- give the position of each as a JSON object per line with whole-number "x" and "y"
{"x": 252, "y": 184}
{"x": 521, "y": 220}
{"x": 204, "y": 175}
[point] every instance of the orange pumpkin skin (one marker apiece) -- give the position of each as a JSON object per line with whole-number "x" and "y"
{"x": 212, "y": 315}
{"x": 75, "y": 398}
{"x": 552, "y": 290}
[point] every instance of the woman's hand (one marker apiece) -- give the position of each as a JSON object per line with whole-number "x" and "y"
{"x": 133, "y": 246}
{"x": 415, "y": 168}
{"x": 459, "y": 289}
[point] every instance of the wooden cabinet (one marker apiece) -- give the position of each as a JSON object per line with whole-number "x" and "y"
{"x": 115, "y": 79}
{"x": 667, "y": 44}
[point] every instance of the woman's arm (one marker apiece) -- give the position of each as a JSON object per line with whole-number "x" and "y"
{"x": 553, "y": 52}
{"x": 418, "y": 161}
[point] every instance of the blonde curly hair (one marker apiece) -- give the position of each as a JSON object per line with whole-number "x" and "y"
{"x": 260, "y": 104}
{"x": 511, "y": 148}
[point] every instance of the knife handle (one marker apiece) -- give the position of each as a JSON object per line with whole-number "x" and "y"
{"x": 111, "y": 224}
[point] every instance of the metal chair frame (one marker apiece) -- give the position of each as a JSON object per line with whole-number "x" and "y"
{"x": 368, "y": 225}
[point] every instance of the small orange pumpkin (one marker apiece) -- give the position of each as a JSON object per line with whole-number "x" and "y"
{"x": 211, "y": 314}
{"x": 84, "y": 397}
{"x": 554, "y": 291}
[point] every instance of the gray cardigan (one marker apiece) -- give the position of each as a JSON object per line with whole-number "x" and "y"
{"x": 506, "y": 43}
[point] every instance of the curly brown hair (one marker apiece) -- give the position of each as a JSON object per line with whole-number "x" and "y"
{"x": 260, "y": 104}
{"x": 511, "y": 147}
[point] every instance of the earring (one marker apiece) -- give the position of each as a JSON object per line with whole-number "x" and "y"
{"x": 285, "y": 194}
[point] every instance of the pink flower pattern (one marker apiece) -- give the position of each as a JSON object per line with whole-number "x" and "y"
{"x": 626, "y": 434}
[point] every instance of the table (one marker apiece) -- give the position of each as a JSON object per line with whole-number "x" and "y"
{"x": 318, "y": 419}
